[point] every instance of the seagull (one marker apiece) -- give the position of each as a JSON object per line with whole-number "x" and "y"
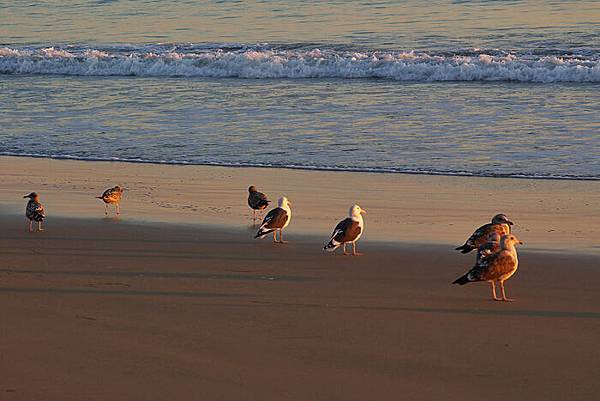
{"x": 500, "y": 224}
{"x": 495, "y": 267}
{"x": 256, "y": 201}
{"x": 112, "y": 195}
{"x": 34, "y": 211}
{"x": 276, "y": 220}
{"x": 347, "y": 231}
{"x": 490, "y": 247}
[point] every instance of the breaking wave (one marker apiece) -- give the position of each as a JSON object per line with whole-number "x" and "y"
{"x": 275, "y": 62}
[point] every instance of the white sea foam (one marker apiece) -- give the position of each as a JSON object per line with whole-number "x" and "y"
{"x": 95, "y": 53}
{"x": 52, "y": 52}
{"x": 8, "y": 52}
{"x": 261, "y": 62}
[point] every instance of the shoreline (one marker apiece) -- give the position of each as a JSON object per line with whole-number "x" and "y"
{"x": 401, "y": 208}
{"x": 311, "y": 168}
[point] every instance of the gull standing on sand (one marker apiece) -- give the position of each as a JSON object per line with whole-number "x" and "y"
{"x": 495, "y": 267}
{"x": 276, "y": 220}
{"x": 256, "y": 201}
{"x": 34, "y": 211}
{"x": 500, "y": 224}
{"x": 112, "y": 195}
{"x": 347, "y": 231}
{"x": 490, "y": 247}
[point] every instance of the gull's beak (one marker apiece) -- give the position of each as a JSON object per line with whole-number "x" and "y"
{"x": 26, "y": 196}
{"x": 520, "y": 242}
{"x": 363, "y": 211}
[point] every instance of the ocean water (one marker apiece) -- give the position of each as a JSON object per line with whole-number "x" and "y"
{"x": 494, "y": 88}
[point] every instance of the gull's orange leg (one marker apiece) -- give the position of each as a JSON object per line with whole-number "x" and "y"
{"x": 504, "y": 293}
{"x": 494, "y": 296}
{"x": 354, "y": 253}
{"x": 281, "y": 241}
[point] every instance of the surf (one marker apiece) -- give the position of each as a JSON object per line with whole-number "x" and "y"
{"x": 290, "y": 62}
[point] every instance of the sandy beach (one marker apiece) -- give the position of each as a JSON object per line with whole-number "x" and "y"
{"x": 549, "y": 214}
{"x": 174, "y": 300}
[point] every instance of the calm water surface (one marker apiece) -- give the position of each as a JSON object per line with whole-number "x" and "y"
{"x": 484, "y": 88}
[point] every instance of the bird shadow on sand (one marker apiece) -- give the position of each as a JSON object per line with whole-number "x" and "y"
{"x": 252, "y": 276}
{"x": 68, "y": 291}
{"x": 111, "y": 219}
{"x": 443, "y": 311}
{"x": 147, "y": 254}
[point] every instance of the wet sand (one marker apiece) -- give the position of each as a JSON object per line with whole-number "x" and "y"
{"x": 106, "y": 309}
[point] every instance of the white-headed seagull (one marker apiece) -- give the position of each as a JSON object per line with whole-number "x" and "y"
{"x": 347, "y": 231}
{"x": 276, "y": 220}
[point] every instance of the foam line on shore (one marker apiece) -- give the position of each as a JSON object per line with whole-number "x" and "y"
{"x": 382, "y": 170}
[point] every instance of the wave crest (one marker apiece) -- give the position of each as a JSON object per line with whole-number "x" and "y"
{"x": 273, "y": 63}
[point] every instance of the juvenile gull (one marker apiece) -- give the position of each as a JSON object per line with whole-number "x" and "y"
{"x": 495, "y": 267}
{"x": 490, "y": 247}
{"x": 34, "y": 211}
{"x": 113, "y": 196}
{"x": 500, "y": 224}
{"x": 276, "y": 220}
{"x": 256, "y": 201}
{"x": 347, "y": 231}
